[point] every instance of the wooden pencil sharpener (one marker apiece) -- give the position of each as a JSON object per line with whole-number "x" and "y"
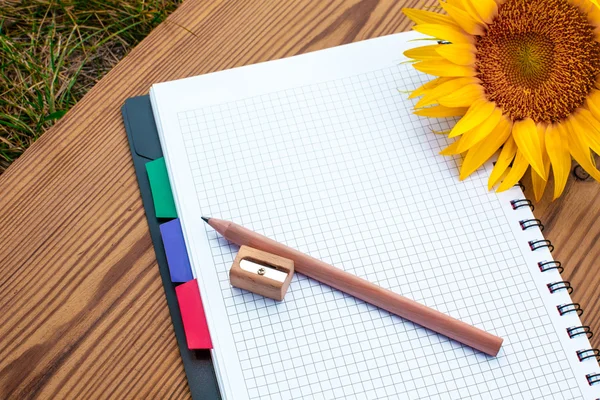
{"x": 262, "y": 273}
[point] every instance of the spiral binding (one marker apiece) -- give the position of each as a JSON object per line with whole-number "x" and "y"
{"x": 588, "y": 353}
{"x": 580, "y": 330}
{"x": 516, "y": 204}
{"x": 571, "y": 307}
{"x": 548, "y": 265}
{"x": 593, "y": 378}
{"x": 575, "y": 331}
{"x": 531, "y": 223}
{"x": 538, "y": 244}
{"x": 556, "y": 286}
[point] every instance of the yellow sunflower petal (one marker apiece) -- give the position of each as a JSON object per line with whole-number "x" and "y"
{"x": 463, "y": 97}
{"x": 528, "y": 141}
{"x": 445, "y": 32}
{"x": 441, "y": 112}
{"x": 504, "y": 159}
{"x": 480, "y": 132}
{"x": 463, "y": 19}
{"x": 486, "y": 9}
{"x": 539, "y": 182}
{"x": 483, "y": 150}
{"x": 580, "y": 150}
{"x": 449, "y": 86}
{"x": 590, "y": 127}
{"x": 456, "y": 3}
{"x": 594, "y": 15}
{"x": 593, "y": 103}
{"x": 450, "y": 150}
{"x": 467, "y": 5}
{"x": 460, "y": 54}
{"x": 479, "y": 111}
{"x": 539, "y": 185}
{"x": 444, "y": 68}
{"x": 427, "y": 17}
{"x": 424, "y": 52}
{"x": 520, "y": 165}
{"x": 584, "y": 5}
{"x": 428, "y": 86}
{"x": 557, "y": 147}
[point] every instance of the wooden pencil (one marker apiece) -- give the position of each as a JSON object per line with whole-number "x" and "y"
{"x": 363, "y": 289}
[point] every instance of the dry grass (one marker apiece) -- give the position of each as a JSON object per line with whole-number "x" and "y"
{"x": 52, "y": 52}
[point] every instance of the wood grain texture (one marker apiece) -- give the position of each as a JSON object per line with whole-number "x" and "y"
{"x": 83, "y": 310}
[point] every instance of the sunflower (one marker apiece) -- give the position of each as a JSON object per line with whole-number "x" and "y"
{"x": 523, "y": 75}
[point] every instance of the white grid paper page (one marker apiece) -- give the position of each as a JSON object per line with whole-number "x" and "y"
{"x": 343, "y": 171}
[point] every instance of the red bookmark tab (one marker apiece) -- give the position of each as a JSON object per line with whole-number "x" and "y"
{"x": 192, "y": 314}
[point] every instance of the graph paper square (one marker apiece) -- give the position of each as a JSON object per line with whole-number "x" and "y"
{"x": 342, "y": 170}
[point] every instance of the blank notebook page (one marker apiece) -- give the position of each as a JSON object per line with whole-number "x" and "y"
{"x": 322, "y": 152}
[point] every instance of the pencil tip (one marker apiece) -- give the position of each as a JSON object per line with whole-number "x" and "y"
{"x": 205, "y": 219}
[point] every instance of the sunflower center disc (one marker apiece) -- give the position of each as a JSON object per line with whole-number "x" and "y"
{"x": 538, "y": 59}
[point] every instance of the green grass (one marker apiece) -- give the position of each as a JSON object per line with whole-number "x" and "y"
{"x": 53, "y": 52}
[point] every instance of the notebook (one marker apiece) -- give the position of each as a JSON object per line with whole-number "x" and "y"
{"x": 322, "y": 152}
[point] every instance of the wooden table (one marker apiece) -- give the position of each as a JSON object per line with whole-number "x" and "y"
{"x": 83, "y": 312}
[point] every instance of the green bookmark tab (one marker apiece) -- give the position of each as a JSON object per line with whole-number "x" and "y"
{"x": 164, "y": 205}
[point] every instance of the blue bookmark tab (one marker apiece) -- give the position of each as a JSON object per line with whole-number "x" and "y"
{"x": 177, "y": 257}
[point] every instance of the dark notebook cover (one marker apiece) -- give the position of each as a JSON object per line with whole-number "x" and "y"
{"x": 145, "y": 146}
